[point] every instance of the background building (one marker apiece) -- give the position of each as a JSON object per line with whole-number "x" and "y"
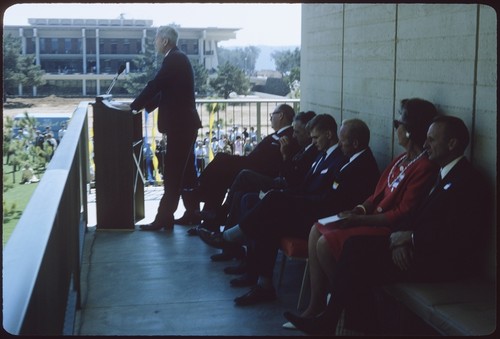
{"x": 82, "y": 56}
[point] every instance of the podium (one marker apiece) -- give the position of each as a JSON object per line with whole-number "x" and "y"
{"x": 118, "y": 150}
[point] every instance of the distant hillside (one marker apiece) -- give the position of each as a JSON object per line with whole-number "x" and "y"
{"x": 264, "y": 61}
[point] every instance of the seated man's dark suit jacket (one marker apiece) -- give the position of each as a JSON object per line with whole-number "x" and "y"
{"x": 450, "y": 229}
{"x": 281, "y": 209}
{"x": 219, "y": 174}
{"x": 292, "y": 173}
{"x": 351, "y": 186}
{"x": 295, "y": 169}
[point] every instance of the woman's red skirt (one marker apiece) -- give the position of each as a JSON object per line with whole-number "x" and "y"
{"x": 336, "y": 237}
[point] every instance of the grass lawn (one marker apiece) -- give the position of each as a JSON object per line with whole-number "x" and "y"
{"x": 19, "y": 196}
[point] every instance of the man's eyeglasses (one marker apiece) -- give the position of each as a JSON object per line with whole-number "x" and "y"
{"x": 397, "y": 123}
{"x": 273, "y": 113}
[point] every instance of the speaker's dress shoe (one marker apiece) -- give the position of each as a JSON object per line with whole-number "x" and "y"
{"x": 257, "y": 294}
{"x": 188, "y": 219}
{"x": 156, "y": 227}
{"x": 323, "y": 324}
{"x": 244, "y": 281}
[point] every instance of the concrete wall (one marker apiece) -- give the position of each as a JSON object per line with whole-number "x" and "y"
{"x": 360, "y": 60}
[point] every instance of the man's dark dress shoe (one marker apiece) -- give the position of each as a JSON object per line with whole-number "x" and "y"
{"x": 244, "y": 281}
{"x": 193, "y": 231}
{"x": 213, "y": 239}
{"x": 226, "y": 255}
{"x": 156, "y": 227}
{"x": 188, "y": 220}
{"x": 223, "y": 256}
{"x": 238, "y": 269}
{"x": 256, "y": 295}
{"x": 323, "y": 324}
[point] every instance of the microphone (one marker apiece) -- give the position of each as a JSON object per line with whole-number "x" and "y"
{"x": 120, "y": 71}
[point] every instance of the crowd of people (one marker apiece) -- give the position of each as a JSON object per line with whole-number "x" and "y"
{"x": 28, "y": 139}
{"x": 419, "y": 219}
{"x": 233, "y": 141}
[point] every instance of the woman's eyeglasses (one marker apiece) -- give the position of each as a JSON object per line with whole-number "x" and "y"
{"x": 397, "y": 123}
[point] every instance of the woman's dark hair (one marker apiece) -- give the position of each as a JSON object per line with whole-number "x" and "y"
{"x": 418, "y": 116}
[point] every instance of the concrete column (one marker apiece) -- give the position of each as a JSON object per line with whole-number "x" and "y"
{"x": 97, "y": 52}
{"x": 37, "y": 46}
{"x": 143, "y": 41}
{"x": 84, "y": 52}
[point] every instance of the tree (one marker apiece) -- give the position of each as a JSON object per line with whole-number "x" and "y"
{"x": 19, "y": 69}
{"x": 288, "y": 63}
{"x": 243, "y": 58}
{"x": 230, "y": 79}
{"x": 201, "y": 85}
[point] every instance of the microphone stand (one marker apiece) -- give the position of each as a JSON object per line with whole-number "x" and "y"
{"x": 120, "y": 71}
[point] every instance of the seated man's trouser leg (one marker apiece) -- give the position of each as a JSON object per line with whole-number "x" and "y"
{"x": 247, "y": 181}
{"x": 365, "y": 262}
{"x": 272, "y": 218}
{"x": 217, "y": 177}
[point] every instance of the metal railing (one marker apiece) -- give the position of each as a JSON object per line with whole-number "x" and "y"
{"x": 42, "y": 259}
{"x": 240, "y": 112}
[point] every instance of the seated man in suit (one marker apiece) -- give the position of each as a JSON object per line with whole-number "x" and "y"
{"x": 220, "y": 173}
{"x": 292, "y": 172}
{"x": 281, "y": 214}
{"x": 441, "y": 242}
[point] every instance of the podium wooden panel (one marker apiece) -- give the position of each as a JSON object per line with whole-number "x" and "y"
{"x": 119, "y": 179}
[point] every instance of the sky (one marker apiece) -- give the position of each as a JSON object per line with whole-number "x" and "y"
{"x": 277, "y": 24}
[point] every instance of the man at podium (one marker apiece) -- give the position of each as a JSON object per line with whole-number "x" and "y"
{"x": 172, "y": 92}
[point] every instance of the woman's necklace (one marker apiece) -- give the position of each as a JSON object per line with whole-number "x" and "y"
{"x": 392, "y": 185}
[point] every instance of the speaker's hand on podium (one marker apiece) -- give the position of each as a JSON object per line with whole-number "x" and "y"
{"x": 125, "y": 106}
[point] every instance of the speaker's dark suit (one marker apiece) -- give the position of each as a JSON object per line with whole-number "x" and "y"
{"x": 172, "y": 92}
{"x": 220, "y": 173}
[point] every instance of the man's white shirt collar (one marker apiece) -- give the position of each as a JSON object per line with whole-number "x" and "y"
{"x": 282, "y": 129}
{"x": 331, "y": 149}
{"x": 446, "y": 169}
{"x": 351, "y": 159}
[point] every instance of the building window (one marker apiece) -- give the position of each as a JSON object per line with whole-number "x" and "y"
{"x": 67, "y": 46}
{"x": 54, "y": 44}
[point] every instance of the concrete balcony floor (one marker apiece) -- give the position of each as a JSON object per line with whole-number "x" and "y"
{"x": 164, "y": 283}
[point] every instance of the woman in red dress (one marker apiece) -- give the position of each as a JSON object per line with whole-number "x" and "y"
{"x": 402, "y": 186}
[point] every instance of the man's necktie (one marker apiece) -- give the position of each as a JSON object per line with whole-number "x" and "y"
{"x": 320, "y": 161}
{"x": 437, "y": 183}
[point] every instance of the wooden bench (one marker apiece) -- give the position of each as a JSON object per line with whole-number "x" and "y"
{"x": 466, "y": 307}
